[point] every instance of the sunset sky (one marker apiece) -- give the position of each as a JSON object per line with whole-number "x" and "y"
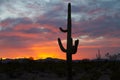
{"x": 30, "y": 28}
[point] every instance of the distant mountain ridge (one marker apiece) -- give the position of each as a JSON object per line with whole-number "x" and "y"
{"x": 49, "y": 59}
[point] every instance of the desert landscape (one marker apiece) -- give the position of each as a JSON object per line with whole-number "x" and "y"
{"x": 59, "y": 39}
{"x": 55, "y": 69}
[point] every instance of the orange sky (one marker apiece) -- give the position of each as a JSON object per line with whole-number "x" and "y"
{"x": 51, "y": 49}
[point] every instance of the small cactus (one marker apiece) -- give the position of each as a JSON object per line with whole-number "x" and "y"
{"x": 98, "y": 56}
{"x": 71, "y": 49}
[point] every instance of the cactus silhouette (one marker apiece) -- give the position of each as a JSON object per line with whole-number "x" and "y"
{"x": 98, "y": 55}
{"x": 71, "y": 48}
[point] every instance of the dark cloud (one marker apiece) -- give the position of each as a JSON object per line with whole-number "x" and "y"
{"x": 13, "y": 42}
{"x": 52, "y": 21}
{"x": 36, "y": 30}
{"x": 15, "y": 21}
{"x": 103, "y": 26}
{"x": 3, "y": 1}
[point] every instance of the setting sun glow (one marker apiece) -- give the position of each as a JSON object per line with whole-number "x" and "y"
{"x": 43, "y": 52}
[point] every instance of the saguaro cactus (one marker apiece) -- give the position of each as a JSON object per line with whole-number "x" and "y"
{"x": 71, "y": 48}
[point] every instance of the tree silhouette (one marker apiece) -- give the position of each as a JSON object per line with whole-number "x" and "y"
{"x": 71, "y": 49}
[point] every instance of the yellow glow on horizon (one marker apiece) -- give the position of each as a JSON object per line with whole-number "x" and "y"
{"x": 46, "y": 55}
{"x": 43, "y": 52}
{"x": 4, "y": 58}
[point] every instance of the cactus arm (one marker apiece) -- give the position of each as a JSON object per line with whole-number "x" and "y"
{"x": 63, "y": 30}
{"x": 61, "y": 46}
{"x": 74, "y": 48}
{"x": 76, "y": 43}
